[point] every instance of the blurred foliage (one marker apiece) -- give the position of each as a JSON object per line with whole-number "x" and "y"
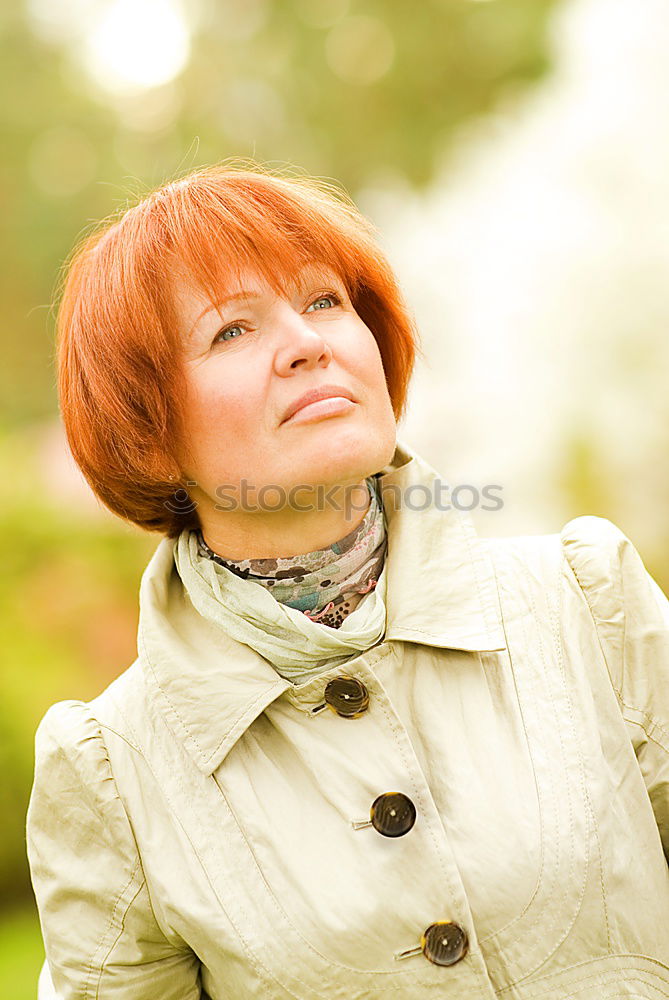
{"x": 21, "y": 954}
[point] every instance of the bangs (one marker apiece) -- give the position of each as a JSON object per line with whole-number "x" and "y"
{"x": 213, "y": 232}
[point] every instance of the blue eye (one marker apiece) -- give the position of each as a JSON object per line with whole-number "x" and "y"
{"x": 227, "y": 329}
{"x": 324, "y": 298}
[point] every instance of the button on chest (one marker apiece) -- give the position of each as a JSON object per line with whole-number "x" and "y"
{"x": 346, "y": 696}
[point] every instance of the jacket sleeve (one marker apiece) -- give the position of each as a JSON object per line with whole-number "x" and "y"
{"x": 631, "y": 615}
{"x": 100, "y": 934}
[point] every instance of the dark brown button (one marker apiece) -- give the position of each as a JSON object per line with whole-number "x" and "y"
{"x": 444, "y": 942}
{"x": 347, "y": 696}
{"x": 392, "y": 814}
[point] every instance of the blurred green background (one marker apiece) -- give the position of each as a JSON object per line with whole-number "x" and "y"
{"x": 401, "y": 104}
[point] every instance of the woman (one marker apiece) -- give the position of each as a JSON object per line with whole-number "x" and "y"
{"x": 362, "y": 752}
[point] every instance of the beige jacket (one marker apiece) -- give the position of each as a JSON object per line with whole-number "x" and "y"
{"x": 190, "y": 830}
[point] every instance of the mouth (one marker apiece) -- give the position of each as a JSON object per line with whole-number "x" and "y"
{"x": 321, "y": 394}
{"x": 329, "y": 406}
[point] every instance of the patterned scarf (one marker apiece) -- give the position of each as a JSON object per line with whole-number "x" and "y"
{"x": 327, "y": 584}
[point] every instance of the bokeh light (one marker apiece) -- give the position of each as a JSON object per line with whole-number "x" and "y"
{"x": 135, "y": 44}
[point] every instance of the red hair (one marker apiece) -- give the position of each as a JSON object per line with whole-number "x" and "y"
{"x": 118, "y": 342}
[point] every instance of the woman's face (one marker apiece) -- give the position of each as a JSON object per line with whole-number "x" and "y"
{"x": 249, "y": 359}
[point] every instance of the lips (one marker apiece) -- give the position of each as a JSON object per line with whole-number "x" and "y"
{"x": 322, "y": 392}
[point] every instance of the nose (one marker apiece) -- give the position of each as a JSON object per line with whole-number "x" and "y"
{"x": 300, "y": 345}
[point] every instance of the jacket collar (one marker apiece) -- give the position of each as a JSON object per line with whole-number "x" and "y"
{"x": 441, "y": 592}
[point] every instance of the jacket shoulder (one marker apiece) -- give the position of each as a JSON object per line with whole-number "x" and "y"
{"x": 593, "y": 547}
{"x": 610, "y": 572}
{"x": 70, "y": 733}
{"x": 629, "y": 609}
{"x": 72, "y": 762}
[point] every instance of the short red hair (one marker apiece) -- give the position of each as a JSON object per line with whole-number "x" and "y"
{"x": 119, "y": 378}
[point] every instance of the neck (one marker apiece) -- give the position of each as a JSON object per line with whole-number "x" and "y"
{"x": 241, "y": 534}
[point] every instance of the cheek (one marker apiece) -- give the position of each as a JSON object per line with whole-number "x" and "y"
{"x": 218, "y": 403}
{"x": 366, "y": 360}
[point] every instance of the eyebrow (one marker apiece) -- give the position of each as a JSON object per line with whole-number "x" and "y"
{"x": 221, "y": 302}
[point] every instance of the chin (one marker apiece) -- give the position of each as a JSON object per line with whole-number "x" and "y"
{"x": 352, "y": 454}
